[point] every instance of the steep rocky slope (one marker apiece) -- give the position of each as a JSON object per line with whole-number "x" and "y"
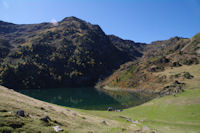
{"x": 69, "y": 53}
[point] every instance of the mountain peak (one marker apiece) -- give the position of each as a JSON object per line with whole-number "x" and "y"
{"x": 71, "y": 18}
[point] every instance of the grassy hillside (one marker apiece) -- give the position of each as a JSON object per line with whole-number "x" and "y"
{"x": 168, "y": 114}
{"x": 76, "y": 53}
{"x": 143, "y": 74}
{"x": 69, "y": 120}
{"x": 177, "y": 114}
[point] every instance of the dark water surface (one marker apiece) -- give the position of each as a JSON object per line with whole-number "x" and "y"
{"x": 86, "y": 98}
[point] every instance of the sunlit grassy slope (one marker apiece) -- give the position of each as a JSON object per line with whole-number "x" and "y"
{"x": 169, "y": 114}
{"x": 180, "y": 114}
{"x": 194, "y": 70}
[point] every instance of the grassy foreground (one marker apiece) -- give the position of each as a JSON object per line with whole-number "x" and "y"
{"x": 169, "y": 114}
{"x": 180, "y": 114}
{"x": 69, "y": 120}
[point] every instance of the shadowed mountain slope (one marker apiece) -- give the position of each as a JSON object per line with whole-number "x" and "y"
{"x": 69, "y": 53}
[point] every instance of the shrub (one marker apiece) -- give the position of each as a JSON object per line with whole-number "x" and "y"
{"x": 176, "y": 64}
{"x": 190, "y": 61}
{"x": 187, "y": 75}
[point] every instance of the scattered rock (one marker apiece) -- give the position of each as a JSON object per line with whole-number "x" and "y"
{"x": 28, "y": 115}
{"x": 110, "y": 109}
{"x": 83, "y": 118}
{"x": 42, "y": 108}
{"x": 57, "y": 129}
{"x": 104, "y": 122}
{"x": 118, "y": 110}
{"x": 130, "y": 120}
{"x": 46, "y": 119}
{"x": 20, "y": 113}
{"x": 123, "y": 117}
{"x": 172, "y": 89}
{"x": 9, "y": 112}
{"x": 133, "y": 125}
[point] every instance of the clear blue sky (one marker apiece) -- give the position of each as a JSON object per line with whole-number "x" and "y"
{"x": 138, "y": 20}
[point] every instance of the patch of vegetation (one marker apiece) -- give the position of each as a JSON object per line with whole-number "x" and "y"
{"x": 187, "y": 75}
{"x": 190, "y": 61}
{"x": 172, "y": 89}
{"x": 176, "y": 64}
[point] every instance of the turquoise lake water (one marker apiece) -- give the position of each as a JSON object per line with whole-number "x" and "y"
{"x": 86, "y": 98}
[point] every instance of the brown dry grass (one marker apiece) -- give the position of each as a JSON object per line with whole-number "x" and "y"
{"x": 69, "y": 120}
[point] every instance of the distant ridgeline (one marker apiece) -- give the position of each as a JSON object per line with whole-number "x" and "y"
{"x": 72, "y": 53}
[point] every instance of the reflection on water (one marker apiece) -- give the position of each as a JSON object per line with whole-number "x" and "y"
{"x": 86, "y": 98}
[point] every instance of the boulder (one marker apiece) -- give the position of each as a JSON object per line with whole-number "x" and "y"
{"x": 45, "y": 119}
{"x": 57, "y": 129}
{"x": 20, "y": 113}
{"x": 110, "y": 109}
{"x": 104, "y": 122}
{"x": 118, "y": 110}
